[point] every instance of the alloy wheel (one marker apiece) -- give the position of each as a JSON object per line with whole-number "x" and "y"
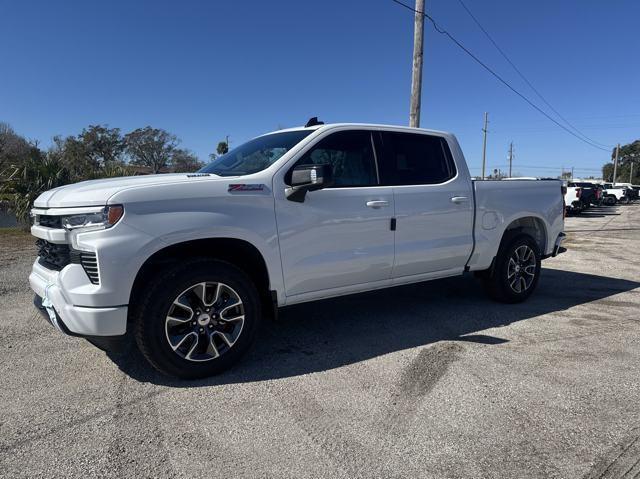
{"x": 204, "y": 321}
{"x": 521, "y": 270}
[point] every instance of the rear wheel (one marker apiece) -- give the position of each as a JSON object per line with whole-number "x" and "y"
{"x": 516, "y": 270}
{"x": 197, "y": 319}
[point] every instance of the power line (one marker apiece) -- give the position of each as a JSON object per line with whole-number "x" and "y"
{"x": 504, "y": 55}
{"x": 498, "y": 77}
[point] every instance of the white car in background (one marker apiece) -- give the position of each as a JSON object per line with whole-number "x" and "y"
{"x": 615, "y": 194}
{"x": 572, "y": 199}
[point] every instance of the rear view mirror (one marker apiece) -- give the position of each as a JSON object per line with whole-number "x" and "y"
{"x": 308, "y": 178}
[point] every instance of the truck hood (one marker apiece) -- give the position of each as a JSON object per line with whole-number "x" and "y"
{"x": 97, "y": 192}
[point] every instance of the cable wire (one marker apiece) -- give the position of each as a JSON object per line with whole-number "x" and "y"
{"x": 517, "y": 70}
{"x": 498, "y": 77}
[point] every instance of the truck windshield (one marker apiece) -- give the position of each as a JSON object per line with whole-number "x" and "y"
{"x": 255, "y": 155}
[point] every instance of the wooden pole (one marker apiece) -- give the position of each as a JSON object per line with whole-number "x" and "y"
{"x": 416, "y": 75}
{"x": 484, "y": 143}
{"x": 615, "y": 165}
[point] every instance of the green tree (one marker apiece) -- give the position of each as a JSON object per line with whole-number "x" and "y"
{"x": 151, "y": 147}
{"x": 184, "y": 161}
{"x": 15, "y": 150}
{"x": 629, "y": 155}
{"x": 222, "y": 148}
{"x": 104, "y": 145}
{"x": 72, "y": 154}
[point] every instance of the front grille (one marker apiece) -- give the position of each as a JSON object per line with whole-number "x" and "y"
{"x": 57, "y": 256}
{"x": 53, "y": 256}
{"x": 50, "y": 221}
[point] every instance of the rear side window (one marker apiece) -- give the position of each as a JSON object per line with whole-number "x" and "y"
{"x": 413, "y": 159}
{"x": 350, "y": 153}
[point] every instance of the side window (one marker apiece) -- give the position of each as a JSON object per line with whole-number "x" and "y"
{"x": 350, "y": 153}
{"x": 415, "y": 159}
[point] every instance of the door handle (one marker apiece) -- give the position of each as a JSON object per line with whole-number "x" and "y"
{"x": 377, "y": 203}
{"x": 459, "y": 199}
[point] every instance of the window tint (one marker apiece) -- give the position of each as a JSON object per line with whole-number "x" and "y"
{"x": 350, "y": 153}
{"x": 414, "y": 159}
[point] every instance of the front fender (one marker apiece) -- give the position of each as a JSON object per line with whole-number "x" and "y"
{"x": 147, "y": 228}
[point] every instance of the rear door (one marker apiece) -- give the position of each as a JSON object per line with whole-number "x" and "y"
{"x": 339, "y": 237}
{"x": 433, "y": 204}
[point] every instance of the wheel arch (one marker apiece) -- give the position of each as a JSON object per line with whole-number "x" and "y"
{"x": 238, "y": 252}
{"x": 532, "y": 226}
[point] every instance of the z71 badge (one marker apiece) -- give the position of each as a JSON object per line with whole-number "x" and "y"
{"x": 249, "y": 187}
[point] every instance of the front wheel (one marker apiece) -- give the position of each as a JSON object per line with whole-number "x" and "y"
{"x": 516, "y": 271}
{"x": 197, "y": 318}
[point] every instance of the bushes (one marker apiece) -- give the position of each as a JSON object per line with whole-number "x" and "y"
{"x": 27, "y": 182}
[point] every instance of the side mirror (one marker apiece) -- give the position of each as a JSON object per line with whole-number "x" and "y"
{"x": 308, "y": 178}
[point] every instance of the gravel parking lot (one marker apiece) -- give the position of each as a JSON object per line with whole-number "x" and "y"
{"x": 428, "y": 380}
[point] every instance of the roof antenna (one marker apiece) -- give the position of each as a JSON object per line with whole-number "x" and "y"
{"x": 313, "y": 122}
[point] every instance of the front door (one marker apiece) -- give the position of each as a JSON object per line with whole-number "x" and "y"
{"x": 339, "y": 237}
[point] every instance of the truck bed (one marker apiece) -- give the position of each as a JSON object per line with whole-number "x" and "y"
{"x": 499, "y": 203}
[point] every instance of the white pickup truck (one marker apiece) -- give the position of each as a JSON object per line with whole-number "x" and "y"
{"x": 190, "y": 263}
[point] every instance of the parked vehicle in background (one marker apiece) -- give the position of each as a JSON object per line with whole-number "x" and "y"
{"x": 632, "y": 192}
{"x": 589, "y": 193}
{"x": 572, "y": 201}
{"x": 615, "y": 194}
{"x": 189, "y": 262}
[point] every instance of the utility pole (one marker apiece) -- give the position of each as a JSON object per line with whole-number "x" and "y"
{"x": 615, "y": 164}
{"x": 572, "y": 172}
{"x": 484, "y": 143}
{"x": 416, "y": 75}
{"x": 510, "y": 157}
{"x": 631, "y": 173}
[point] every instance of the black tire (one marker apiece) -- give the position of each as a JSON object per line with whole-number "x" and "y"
{"x": 498, "y": 283}
{"x": 154, "y": 307}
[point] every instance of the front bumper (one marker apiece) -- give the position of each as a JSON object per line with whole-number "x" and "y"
{"x": 72, "y": 319}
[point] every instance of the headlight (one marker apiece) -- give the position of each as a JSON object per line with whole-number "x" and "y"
{"x": 98, "y": 220}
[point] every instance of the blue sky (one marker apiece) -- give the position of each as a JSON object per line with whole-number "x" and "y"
{"x": 205, "y": 69}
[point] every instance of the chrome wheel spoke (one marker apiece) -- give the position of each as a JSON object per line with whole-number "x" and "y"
{"x": 229, "y": 341}
{"x": 212, "y": 350}
{"x": 215, "y": 296}
{"x": 511, "y": 269}
{"x": 233, "y": 319}
{"x": 183, "y": 307}
{"x": 200, "y": 290}
{"x": 183, "y": 339}
{"x": 530, "y": 270}
{"x": 193, "y": 347}
{"x": 523, "y": 284}
{"x": 176, "y": 321}
{"x": 228, "y": 308}
{"x": 517, "y": 253}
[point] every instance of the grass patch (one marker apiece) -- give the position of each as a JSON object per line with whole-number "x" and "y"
{"x": 14, "y": 231}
